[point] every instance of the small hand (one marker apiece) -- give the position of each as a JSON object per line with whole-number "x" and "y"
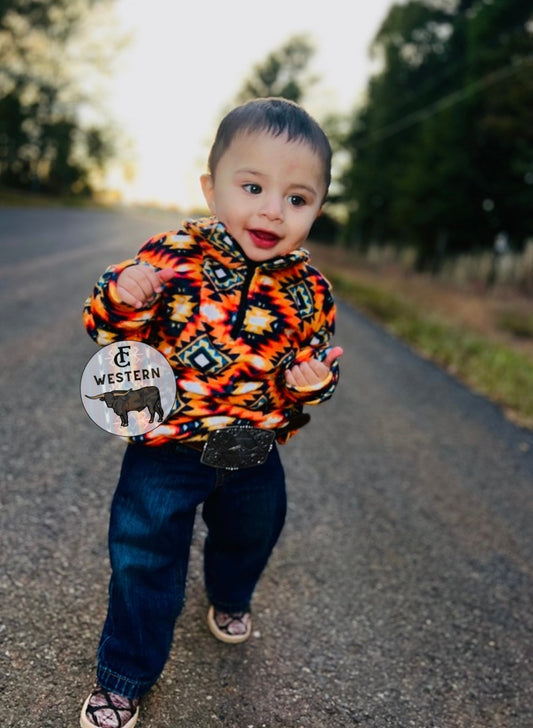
{"x": 138, "y": 285}
{"x": 312, "y": 372}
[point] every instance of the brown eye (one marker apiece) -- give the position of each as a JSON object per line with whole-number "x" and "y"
{"x": 297, "y": 200}
{"x": 252, "y": 188}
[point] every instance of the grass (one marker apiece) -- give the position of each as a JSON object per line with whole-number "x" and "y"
{"x": 517, "y": 323}
{"x": 492, "y": 369}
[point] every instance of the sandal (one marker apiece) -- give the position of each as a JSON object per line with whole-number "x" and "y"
{"x": 104, "y": 709}
{"x": 230, "y": 628}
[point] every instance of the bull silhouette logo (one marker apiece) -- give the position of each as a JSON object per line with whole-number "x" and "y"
{"x": 122, "y": 401}
{"x": 148, "y": 390}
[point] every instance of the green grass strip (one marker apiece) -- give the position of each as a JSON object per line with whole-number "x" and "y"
{"x": 491, "y": 369}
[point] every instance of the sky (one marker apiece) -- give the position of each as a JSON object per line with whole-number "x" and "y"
{"x": 185, "y": 62}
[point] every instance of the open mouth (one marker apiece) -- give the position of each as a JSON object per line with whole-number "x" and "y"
{"x": 264, "y": 239}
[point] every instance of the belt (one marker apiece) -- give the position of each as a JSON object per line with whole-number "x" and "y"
{"x": 193, "y": 444}
{"x": 241, "y": 446}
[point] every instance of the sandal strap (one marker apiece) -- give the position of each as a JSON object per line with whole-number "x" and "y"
{"x": 130, "y": 708}
{"x": 228, "y": 619}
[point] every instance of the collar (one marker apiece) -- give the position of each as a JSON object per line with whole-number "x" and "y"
{"x": 215, "y": 233}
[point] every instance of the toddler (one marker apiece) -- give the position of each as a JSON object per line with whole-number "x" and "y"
{"x": 244, "y": 320}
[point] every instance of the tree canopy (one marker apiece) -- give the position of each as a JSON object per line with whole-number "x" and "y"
{"x": 45, "y": 141}
{"x": 283, "y": 73}
{"x": 441, "y": 152}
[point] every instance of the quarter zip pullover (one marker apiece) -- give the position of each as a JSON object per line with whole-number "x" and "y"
{"x": 243, "y": 303}
{"x": 229, "y": 327}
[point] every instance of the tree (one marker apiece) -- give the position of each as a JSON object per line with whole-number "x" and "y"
{"x": 500, "y": 41}
{"x": 409, "y": 45}
{"x": 46, "y": 142}
{"x": 442, "y": 148}
{"x": 283, "y": 73}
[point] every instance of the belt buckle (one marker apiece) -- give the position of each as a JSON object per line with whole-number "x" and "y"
{"x": 236, "y": 447}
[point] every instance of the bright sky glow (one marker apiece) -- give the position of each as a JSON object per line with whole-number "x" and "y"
{"x": 186, "y": 62}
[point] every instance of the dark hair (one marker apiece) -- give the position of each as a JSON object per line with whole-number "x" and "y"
{"x": 276, "y": 116}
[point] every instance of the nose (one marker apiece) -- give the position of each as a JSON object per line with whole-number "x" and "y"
{"x": 272, "y": 207}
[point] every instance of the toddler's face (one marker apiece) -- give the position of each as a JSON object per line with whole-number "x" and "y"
{"x": 267, "y": 191}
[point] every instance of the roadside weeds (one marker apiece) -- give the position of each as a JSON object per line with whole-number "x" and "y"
{"x": 496, "y": 369}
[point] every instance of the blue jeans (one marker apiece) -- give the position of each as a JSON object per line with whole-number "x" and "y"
{"x": 151, "y": 526}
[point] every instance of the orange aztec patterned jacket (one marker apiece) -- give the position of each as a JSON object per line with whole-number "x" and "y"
{"x": 229, "y": 327}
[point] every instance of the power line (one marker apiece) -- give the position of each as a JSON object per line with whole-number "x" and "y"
{"x": 447, "y": 101}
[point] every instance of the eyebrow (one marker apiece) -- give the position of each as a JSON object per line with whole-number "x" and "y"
{"x": 249, "y": 170}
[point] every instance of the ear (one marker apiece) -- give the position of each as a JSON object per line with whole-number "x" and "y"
{"x": 208, "y": 188}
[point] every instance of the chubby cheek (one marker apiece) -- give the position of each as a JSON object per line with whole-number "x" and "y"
{"x": 231, "y": 214}
{"x": 300, "y": 229}
{"x": 234, "y": 225}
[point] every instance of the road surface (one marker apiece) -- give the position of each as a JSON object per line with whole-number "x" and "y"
{"x": 401, "y": 591}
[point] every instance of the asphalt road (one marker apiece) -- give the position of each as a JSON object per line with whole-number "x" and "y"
{"x": 401, "y": 591}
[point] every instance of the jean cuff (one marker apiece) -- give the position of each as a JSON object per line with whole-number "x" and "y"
{"x": 122, "y": 685}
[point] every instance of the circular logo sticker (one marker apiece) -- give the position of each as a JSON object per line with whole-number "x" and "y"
{"x": 128, "y": 388}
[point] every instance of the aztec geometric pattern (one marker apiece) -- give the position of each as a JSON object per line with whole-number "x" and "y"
{"x": 229, "y": 327}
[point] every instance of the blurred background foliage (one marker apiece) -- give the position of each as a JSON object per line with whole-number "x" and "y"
{"x": 284, "y": 72}
{"x": 438, "y": 155}
{"x": 52, "y": 135}
{"x": 441, "y": 152}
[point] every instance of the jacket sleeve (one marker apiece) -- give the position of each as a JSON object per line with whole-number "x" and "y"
{"x": 106, "y": 319}
{"x": 317, "y": 345}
